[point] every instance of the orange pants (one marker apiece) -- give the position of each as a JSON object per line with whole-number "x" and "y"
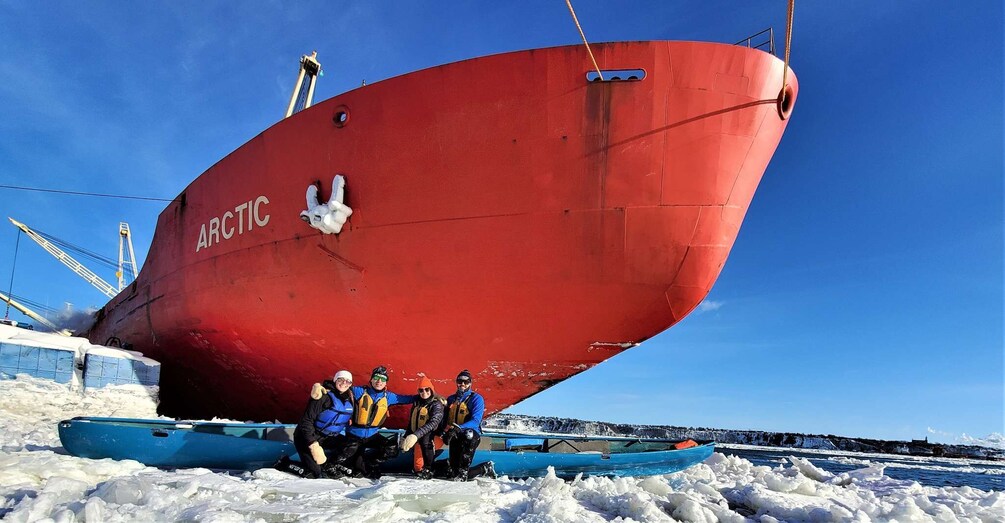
{"x": 418, "y": 462}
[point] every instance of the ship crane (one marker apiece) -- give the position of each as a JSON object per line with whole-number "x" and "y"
{"x": 303, "y": 91}
{"x": 125, "y": 239}
{"x": 68, "y": 260}
{"x": 33, "y": 315}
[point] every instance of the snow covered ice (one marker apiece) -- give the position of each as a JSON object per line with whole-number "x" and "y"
{"x": 40, "y": 482}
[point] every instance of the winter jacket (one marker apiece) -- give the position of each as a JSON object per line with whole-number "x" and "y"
{"x": 371, "y": 409}
{"x": 426, "y": 416}
{"x": 321, "y": 401}
{"x": 466, "y": 410}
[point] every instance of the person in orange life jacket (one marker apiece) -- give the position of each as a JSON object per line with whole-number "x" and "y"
{"x": 425, "y": 418}
{"x": 370, "y": 413}
{"x": 328, "y": 413}
{"x": 463, "y": 430}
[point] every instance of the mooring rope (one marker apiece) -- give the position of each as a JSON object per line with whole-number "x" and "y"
{"x": 788, "y": 42}
{"x": 587, "y": 44}
{"x": 17, "y": 243}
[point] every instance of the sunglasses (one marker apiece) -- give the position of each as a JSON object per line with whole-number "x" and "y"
{"x": 343, "y": 380}
{"x": 425, "y": 390}
{"x": 463, "y": 382}
{"x": 379, "y": 378}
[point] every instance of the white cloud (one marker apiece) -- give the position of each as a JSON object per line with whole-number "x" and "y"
{"x": 993, "y": 440}
{"x": 709, "y": 305}
{"x": 943, "y": 435}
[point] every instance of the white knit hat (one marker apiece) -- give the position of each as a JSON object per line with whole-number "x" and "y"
{"x": 343, "y": 374}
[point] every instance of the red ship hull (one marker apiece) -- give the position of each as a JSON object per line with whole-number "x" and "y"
{"x": 509, "y": 217}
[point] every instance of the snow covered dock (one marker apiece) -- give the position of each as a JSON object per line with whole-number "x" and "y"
{"x": 71, "y": 360}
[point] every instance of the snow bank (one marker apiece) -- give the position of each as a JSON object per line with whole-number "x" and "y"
{"x": 73, "y": 360}
{"x": 39, "y": 481}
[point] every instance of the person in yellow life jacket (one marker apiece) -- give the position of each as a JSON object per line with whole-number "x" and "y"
{"x": 369, "y": 416}
{"x": 328, "y": 413}
{"x": 425, "y": 418}
{"x": 463, "y": 431}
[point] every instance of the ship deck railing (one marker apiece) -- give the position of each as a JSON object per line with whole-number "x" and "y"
{"x": 765, "y": 38}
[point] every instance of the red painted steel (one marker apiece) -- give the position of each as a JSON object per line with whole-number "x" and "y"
{"x": 509, "y": 218}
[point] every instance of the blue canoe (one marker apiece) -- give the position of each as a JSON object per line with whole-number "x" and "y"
{"x": 178, "y": 444}
{"x": 250, "y": 446}
{"x": 523, "y": 455}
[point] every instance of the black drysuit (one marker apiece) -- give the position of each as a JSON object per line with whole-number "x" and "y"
{"x": 307, "y": 432}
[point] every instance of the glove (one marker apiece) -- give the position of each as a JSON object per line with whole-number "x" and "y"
{"x": 318, "y": 453}
{"x": 448, "y": 435}
{"x": 408, "y": 442}
{"x": 317, "y": 391}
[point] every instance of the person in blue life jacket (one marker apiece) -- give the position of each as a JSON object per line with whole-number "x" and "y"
{"x": 423, "y": 421}
{"x": 371, "y": 408}
{"x": 463, "y": 431}
{"x": 328, "y": 413}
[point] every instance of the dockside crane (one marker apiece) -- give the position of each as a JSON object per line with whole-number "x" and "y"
{"x": 303, "y": 91}
{"x": 125, "y": 238}
{"x": 68, "y": 260}
{"x": 31, "y": 314}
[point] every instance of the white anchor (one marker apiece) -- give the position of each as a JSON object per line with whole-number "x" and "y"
{"x": 328, "y": 217}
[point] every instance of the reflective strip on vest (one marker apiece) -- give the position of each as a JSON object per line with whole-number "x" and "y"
{"x": 419, "y": 416}
{"x": 370, "y": 413}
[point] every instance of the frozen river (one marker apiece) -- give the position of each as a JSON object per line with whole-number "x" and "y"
{"x": 40, "y": 482}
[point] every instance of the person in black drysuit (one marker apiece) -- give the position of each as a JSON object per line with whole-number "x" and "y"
{"x": 325, "y": 419}
{"x": 424, "y": 419}
{"x": 462, "y": 431}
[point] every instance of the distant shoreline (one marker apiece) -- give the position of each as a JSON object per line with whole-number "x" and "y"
{"x": 756, "y": 438}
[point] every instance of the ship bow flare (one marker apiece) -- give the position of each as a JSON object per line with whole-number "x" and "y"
{"x": 503, "y": 214}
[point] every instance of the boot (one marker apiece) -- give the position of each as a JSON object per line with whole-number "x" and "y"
{"x": 281, "y": 464}
{"x": 371, "y": 469}
{"x": 441, "y": 469}
{"x": 337, "y": 471}
{"x": 425, "y": 473}
{"x": 285, "y": 465}
{"x": 460, "y": 476}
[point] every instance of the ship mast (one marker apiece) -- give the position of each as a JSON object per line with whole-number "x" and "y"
{"x": 303, "y": 91}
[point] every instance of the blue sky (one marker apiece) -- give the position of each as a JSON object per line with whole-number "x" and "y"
{"x": 863, "y": 296}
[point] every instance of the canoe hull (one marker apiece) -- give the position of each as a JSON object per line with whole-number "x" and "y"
{"x": 517, "y": 464}
{"x": 168, "y": 444}
{"x": 250, "y": 446}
